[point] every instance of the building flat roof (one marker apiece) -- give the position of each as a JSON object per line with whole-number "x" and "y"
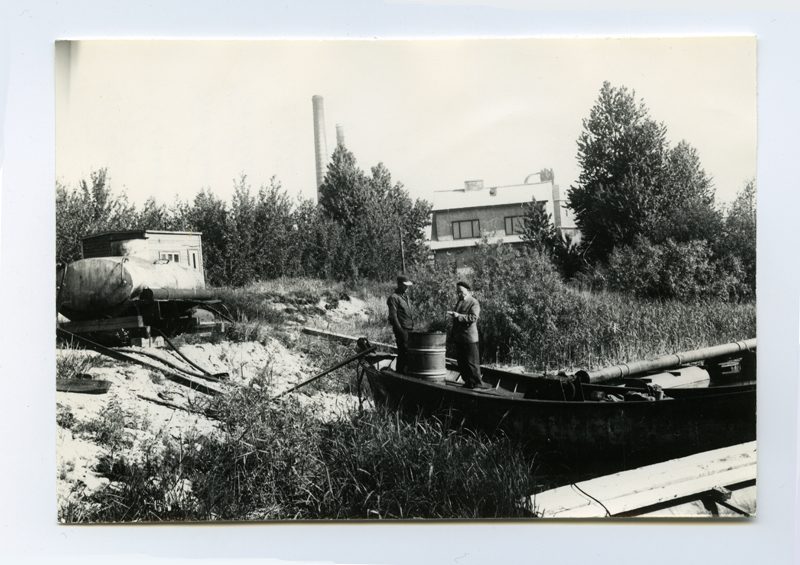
{"x": 504, "y": 195}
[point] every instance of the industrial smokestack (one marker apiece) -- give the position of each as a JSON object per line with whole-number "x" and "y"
{"x": 320, "y": 144}
{"x": 339, "y": 135}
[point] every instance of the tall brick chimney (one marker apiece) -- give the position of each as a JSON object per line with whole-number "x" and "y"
{"x": 320, "y": 143}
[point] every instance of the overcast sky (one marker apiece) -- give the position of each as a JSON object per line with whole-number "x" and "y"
{"x": 171, "y": 117}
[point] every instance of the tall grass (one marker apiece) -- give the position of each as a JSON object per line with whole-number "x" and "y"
{"x": 529, "y": 316}
{"x": 76, "y": 363}
{"x": 277, "y": 461}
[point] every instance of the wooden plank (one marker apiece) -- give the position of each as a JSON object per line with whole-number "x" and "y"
{"x": 346, "y": 339}
{"x": 85, "y": 386}
{"x": 629, "y": 491}
{"x": 109, "y": 324}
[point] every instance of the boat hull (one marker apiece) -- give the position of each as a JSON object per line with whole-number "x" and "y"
{"x": 611, "y": 435}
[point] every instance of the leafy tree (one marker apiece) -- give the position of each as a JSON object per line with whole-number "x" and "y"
{"x": 633, "y": 185}
{"x": 345, "y": 193}
{"x": 374, "y": 215}
{"x": 209, "y": 215}
{"x": 318, "y": 248}
{"x": 274, "y": 225}
{"x": 154, "y": 216}
{"x": 621, "y": 154}
{"x": 739, "y": 241}
{"x": 537, "y": 227}
{"x": 87, "y": 210}
{"x": 686, "y": 210}
{"x": 241, "y": 235}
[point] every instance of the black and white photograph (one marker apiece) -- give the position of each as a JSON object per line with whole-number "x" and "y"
{"x": 392, "y": 280}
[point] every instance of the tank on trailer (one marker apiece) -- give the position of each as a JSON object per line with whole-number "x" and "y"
{"x": 135, "y": 280}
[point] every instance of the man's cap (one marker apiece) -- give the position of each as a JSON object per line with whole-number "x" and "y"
{"x": 464, "y": 284}
{"x": 403, "y": 280}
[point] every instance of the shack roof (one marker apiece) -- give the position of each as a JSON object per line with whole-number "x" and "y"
{"x": 139, "y": 234}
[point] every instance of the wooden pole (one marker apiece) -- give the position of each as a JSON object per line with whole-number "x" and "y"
{"x": 402, "y": 249}
{"x": 326, "y": 371}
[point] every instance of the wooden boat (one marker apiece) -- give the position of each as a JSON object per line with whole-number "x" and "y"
{"x": 84, "y": 386}
{"x": 623, "y": 422}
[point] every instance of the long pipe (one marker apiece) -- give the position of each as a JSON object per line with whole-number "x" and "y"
{"x": 179, "y": 378}
{"x": 355, "y": 357}
{"x": 628, "y": 369}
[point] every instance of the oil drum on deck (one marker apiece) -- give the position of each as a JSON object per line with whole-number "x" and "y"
{"x": 426, "y": 355}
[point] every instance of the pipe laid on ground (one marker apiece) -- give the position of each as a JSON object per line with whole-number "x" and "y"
{"x": 183, "y": 379}
{"x": 216, "y": 376}
{"x": 636, "y": 367}
{"x": 355, "y": 357}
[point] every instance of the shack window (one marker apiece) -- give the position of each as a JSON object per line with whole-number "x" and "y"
{"x": 193, "y": 259}
{"x": 466, "y": 229}
{"x": 170, "y": 256}
{"x": 515, "y": 225}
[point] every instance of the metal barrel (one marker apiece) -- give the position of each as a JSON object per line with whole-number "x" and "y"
{"x": 665, "y": 362}
{"x": 426, "y": 355}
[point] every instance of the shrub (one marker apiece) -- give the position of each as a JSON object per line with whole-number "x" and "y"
{"x": 276, "y": 461}
{"x": 530, "y": 316}
{"x": 684, "y": 271}
{"x": 75, "y": 363}
{"x": 112, "y": 426}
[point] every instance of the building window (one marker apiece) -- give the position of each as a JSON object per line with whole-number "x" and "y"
{"x": 193, "y": 259}
{"x": 169, "y": 256}
{"x": 515, "y": 225}
{"x": 466, "y": 229}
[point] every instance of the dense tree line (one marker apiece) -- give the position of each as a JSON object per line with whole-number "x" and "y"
{"x": 647, "y": 214}
{"x": 355, "y": 231}
{"x": 649, "y": 222}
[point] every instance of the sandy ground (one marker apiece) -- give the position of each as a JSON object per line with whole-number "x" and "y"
{"x": 135, "y": 390}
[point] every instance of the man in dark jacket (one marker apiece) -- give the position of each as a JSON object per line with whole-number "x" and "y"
{"x": 464, "y": 333}
{"x": 401, "y": 317}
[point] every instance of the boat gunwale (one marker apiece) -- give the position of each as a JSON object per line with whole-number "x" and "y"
{"x": 451, "y": 387}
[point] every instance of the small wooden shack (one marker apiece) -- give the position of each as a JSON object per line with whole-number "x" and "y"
{"x": 179, "y": 247}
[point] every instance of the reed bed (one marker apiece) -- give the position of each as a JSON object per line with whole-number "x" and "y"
{"x": 529, "y": 316}
{"x": 277, "y": 461}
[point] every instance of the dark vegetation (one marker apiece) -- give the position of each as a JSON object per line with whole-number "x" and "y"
{"x": 660, "y": 268}
{"x": 268, "y": 235}
{"x": 277, "y": 461}
{"x": 647, "y": 214}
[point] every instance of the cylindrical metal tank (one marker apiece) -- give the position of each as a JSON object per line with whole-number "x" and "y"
{"x": 106, "y": 286}
{"x": 426, "y": 355}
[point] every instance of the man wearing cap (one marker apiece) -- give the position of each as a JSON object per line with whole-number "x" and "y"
{"x": 401, "y": 317}
{"x": 464, "y": 333}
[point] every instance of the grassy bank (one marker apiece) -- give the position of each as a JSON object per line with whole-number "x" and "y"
{"x": 277, "y": 461}
{"x": 529, "y": 316}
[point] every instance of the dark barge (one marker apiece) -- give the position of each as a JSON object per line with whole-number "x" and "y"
{"x": 621, "y": 421}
